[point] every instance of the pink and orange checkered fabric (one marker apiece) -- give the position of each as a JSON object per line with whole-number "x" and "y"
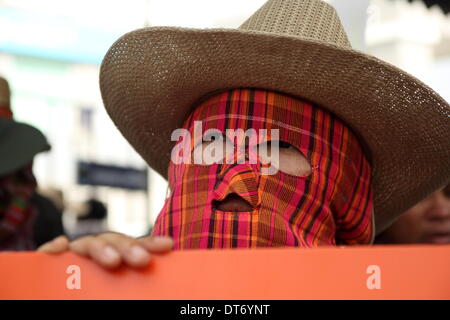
{"x": 332, "y": 205}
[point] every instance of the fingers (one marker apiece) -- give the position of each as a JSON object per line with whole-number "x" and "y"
{"x": 156, "y": 244}
{"x": 110, "y": 250}
{"x": 97, "y": 249}
{"x": 57, "y": 245}
{"x": 131, "y": 252}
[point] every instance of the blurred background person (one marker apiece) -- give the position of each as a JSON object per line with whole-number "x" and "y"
{"x": 426, "y": 222}
{"x": 17, "y": 214}
{"x": 5, "y": 99}
{"x": 49, "y": 222}
{"x": 19, "y": 143}
{"x": 27, "y": 219}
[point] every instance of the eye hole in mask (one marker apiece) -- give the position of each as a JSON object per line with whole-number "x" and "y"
{"x": 289, "y": 159}
{"x": 215, "y": 147}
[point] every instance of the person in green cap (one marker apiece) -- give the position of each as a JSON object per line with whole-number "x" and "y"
{"x": 19, "y": 144}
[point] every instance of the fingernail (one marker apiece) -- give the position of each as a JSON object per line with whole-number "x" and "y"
{"x": 110, "y": 253}
{"x": 58, "y": 239}
{"x": 138, "y": 253}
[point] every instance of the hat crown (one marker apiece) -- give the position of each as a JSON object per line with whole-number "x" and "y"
{"x": 310, "y": 19}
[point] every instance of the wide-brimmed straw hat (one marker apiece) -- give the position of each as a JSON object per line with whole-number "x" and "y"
{"x": 152, "y": 78}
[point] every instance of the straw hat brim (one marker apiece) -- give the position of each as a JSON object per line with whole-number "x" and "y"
{"x": 152, "y": 78}
{"x": 19, "y": 143}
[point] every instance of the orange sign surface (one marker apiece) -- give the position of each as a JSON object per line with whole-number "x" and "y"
{"x": 378, "y": 272}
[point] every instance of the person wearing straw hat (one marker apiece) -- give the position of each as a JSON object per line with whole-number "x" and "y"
{"x": 359, "y": 140}
{"x": 19, "y": 144}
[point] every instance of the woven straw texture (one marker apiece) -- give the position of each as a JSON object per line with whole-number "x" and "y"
{"x": 152, "y": 78}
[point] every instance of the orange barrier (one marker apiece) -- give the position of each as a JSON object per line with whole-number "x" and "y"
{"x": 379, "y": 272}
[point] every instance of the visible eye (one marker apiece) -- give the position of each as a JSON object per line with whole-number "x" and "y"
{"x": 447, "y": 191}
{"x": 285, "y": 145}
{"x": 211, "y": 136}
{"x": 284, "y": 157}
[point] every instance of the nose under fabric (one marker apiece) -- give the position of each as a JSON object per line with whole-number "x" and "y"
{"x": 241, "y": 179}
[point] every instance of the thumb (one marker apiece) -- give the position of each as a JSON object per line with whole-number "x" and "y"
{"x": 57, "y": 245}
{"x": 156, "y": 244}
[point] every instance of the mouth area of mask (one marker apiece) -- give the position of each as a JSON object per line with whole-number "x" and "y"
{"x": 232, "y": 202}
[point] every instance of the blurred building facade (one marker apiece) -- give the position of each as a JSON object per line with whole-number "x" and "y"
{"x": 414, "y": 37}
{"x": 51, "y": 51}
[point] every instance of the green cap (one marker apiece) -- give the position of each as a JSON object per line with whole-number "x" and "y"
{"x": 19, "y": 143}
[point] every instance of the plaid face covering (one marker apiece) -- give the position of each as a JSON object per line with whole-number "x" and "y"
{"x": 331, "y": 205}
